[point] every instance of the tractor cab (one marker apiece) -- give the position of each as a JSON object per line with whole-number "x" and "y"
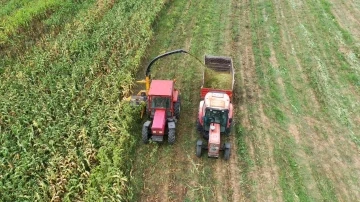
{"x": 217, "y": 108}
{"x": 216, "y": 116}
{"x": 161, "y": 97}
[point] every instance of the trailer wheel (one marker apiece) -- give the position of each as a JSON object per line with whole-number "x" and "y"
{"x": 177, "y": 107}
{"x": 198, "y": 148}
{"x": 171, "y": 136}
{"x": 145, "y": 134}
{"x": 227, "y": 151}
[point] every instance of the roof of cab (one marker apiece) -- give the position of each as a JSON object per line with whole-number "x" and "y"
{"x": 161, "y": 87}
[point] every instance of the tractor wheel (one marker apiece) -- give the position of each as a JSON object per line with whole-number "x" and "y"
{"x": 228, "y": 130}
{"x": 227, "y": 151}
{"x": 199, "y": 126}
{"x": 206, "y": 135}
{"x": 145, "y": 134}
{"x": 171, "y": 136}
{"x": 177, "y": 108}
{"x": 198, "y": 148}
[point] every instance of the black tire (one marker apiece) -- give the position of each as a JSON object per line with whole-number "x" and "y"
{"x": 199, "y": 126}
{"x": 177, "y": 107}
{"x": 145, "y": 134}
{"x": 227, "y": 151}
{"x": 198, "y": 148}
{"x": 228, "y": 130}
{"x": 206, "y": 135}
{"x": 171, "y": 136}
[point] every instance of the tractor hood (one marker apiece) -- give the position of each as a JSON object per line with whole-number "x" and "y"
{"x": 158, "y": 126}
{"x": 214, "y": 140}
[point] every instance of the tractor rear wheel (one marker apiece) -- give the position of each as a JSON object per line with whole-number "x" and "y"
{"x": 228, "y": 130}
{"x": 206, "y": 135}
{"x": 177, "y": 107}
{"x": 227, "y": 151}
{"x": 199, "y": 126}
{"x": 145, "y": 134}
{"x": 198, "y": 148}
{"x": 171, "y": 136}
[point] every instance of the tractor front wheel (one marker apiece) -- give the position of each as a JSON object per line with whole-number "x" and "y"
{"x": 198, "y": 148}
{"x": 171, "y": 136}
{"x": 227, "y": 151}
{"x": 145, "y": 134}
{"x": 177, "y": 108}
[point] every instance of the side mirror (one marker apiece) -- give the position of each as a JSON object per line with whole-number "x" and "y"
{"x": 230, "y": 120}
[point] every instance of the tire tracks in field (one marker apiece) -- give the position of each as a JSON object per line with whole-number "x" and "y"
{"x": 179, "y": 185}
{"x": 348, "y": 16}
{"x": 228, "y": 173}
{"x": 286, "y": 13}
{"x": 186, "y": 177}
{"x": 262, "y": 177}
{"x": 333, "y": 151}
{"x": 289, "y": 50}
{"x": 291, "y": 46}
{"x": 340, "y": 152}
{"x": 177, "y": 166}
{"x": 160, "y": 183}
{"x": 248, "y": 92}
{"x": 326, "y": 149}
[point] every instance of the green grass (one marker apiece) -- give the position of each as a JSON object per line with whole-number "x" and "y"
{"x": 11, "y": 6}
{"x": 322, "y": 73}
{"x": 284, "y": 100}
{"x": 291, "y": 176}
{"x": 325, "y": 185}
{"x": 245, "y": 158}
{"x": 24, "y": 15}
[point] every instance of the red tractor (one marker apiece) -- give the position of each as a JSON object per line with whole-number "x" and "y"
{"x": 163, "y": 108}
{"x": 162, "y": 103}
{"x": 216, "y": 110}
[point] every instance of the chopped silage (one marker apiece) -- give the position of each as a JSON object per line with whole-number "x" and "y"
{"x": 217, "y": 80}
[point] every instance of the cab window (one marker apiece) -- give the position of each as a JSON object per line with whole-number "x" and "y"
{"x": 160, "y": 102}
{"x": 216, "y": 116}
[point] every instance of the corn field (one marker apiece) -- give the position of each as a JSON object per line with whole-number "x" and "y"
{"x": 65, "y": 66}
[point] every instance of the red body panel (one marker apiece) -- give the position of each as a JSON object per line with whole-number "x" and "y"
{"x": 161, "y": 87}
{"x": 204, "y": 91}
{"x": 201, "y": 113}
{"x": 214, "y": 140}
{"x": 175, "y": 95}
{"x": 159, "y": 122}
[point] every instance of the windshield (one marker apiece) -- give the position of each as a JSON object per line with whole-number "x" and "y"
{"x": 160, "y": 102}
{"x": 216, "y": 116}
